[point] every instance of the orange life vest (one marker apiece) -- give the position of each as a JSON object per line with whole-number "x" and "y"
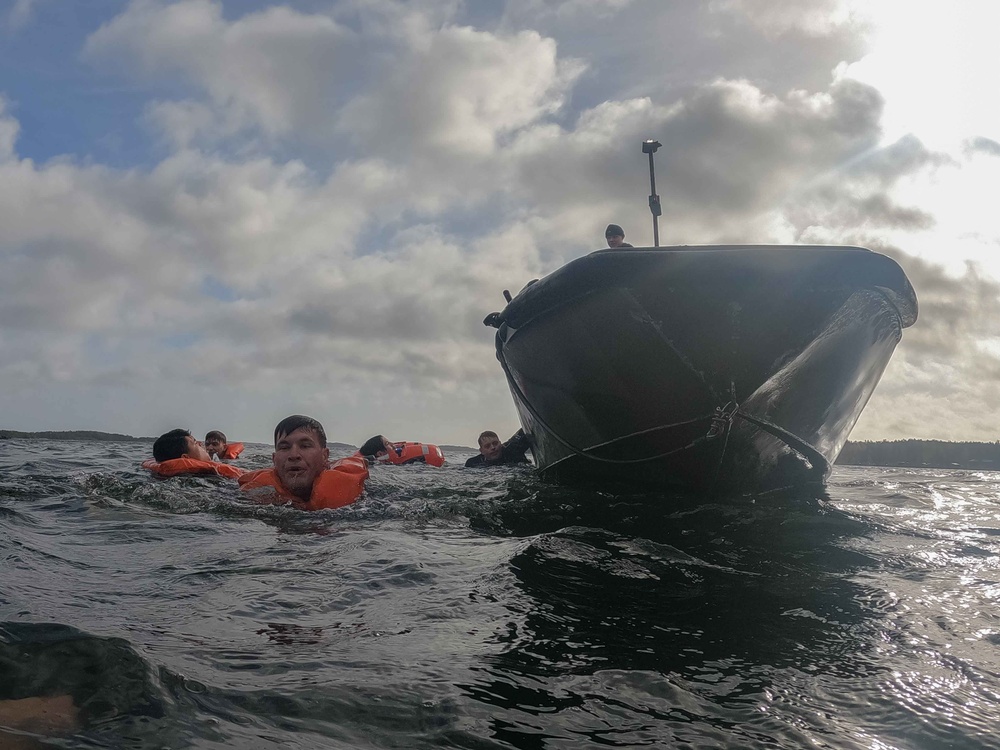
{"x": 232, "y": 451}
{"x": 185, "y": 465}
{"x": 412, "y": 453}
{"x": 336, "y": 487}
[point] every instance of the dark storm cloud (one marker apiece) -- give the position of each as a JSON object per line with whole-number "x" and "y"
{"x": 734, "y": 150}
{"x": 730, "y": 154}
{"x": 889, "y": 163}
{"x": 846, "y": 209}
{"x": 858, "y": 195}
{"x": 955, "y": 311}
{"x": 884, "y": 212}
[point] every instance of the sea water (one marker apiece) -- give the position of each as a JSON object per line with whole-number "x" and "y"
{"x": 490, "y": 609}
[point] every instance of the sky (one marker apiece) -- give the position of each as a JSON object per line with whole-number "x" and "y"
{"x": 216, "y": 214}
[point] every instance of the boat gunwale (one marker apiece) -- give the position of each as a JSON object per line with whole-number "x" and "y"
{"x": 902, "y": 298}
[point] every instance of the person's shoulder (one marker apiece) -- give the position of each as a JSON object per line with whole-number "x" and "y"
{"x": 515, "y": 457}
{"x": 475, "y": 462}
{"x": 625, "y": 244}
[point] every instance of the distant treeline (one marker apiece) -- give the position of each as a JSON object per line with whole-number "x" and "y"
{"x": 934, "y": 454}
{"x": 72, "y": 435}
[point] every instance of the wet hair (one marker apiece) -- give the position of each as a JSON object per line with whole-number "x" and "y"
{"x": 170, "y": 445}
{"x": 288, "y": 425}
{"x": 614, "y": 230}
{"x": 487, "y": 433}
{"x": 373, "y": 446}
{"x": 212, "y": 434}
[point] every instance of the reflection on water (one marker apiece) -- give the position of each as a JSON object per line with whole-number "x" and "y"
{"x": 703, "y": 604}
{"x": 491, "y": 609}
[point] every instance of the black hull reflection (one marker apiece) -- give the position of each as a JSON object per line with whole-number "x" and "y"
{"x": 720, "y": 369}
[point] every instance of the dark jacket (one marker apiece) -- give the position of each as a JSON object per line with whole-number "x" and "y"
{"x": 513, "y": 453}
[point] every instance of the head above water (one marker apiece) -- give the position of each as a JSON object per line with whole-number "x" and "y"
{"x": 288, "y": 425}
{"x": 490, "y": 446}
{"x": 300, "y": 454}
{"x": 215, "y": 442}
{"x": 375, "y": 446}
{"x": 178, "y": 443}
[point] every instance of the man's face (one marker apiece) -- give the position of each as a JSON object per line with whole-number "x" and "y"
{"x": 615, "y": 240}
{"x": 298, "y": 459}
{"x": 194, "y": 449}
{"x": 491, "y": 448}
{"x": 215, "y": 445}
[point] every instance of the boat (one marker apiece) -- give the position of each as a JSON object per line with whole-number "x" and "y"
{"x": 721, "y": 369}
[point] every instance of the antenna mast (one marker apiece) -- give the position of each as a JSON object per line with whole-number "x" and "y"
{"x": 649, "y": 147}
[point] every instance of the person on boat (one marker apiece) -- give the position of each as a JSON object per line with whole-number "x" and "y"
{"x": 376, "y": 447}
{"x": 615, "y": 236}
{"x": 494, "y": 453}
{"x": 178, "y": 444}
{"x": 302, "y": 473}
{"x": 218, "y": 447}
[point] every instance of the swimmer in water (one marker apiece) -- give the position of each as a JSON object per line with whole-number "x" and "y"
{"x": 300, "y": 454}
{"x": 302, "y": 472}
{"x": 219, "y": 449}
{"x": 376, "y": 447}
{"x": 494, "y": 453}
{"x": 178, "y": 444}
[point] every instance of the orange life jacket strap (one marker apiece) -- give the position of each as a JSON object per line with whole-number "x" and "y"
{"x": 185, "y": 465}
{"x": 410, "y": 452}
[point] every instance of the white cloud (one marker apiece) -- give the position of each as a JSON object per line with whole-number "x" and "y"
{"x": 345, "y": 194}
{"x": 456, "y": 91}
{"x": 565, "y": 10}
{"x": 183, "y": 124}
{"x": 109, "y": 270}
{"x": 276, "y": 69}
{"x": 776, "y": 17}
{"x": 9, "y": 129}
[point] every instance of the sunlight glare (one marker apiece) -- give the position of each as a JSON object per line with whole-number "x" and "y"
{"x": 936, "y": 64}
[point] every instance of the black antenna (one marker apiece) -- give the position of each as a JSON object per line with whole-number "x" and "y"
{"x": 649, "y": 147}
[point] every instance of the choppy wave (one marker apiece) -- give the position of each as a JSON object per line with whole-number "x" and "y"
{"x": 490, "y": 609}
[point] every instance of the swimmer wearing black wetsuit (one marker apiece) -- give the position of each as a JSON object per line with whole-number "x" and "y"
{"x": 494, "y": 453}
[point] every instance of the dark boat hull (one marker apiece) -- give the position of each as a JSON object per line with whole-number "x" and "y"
{"x": 727, "y": 369}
